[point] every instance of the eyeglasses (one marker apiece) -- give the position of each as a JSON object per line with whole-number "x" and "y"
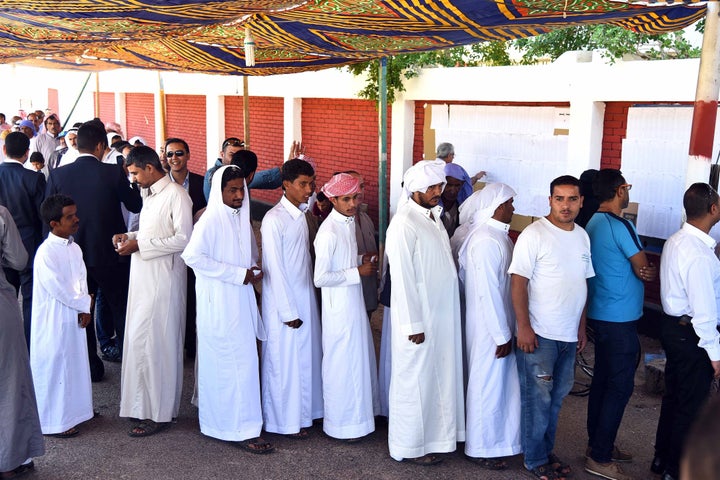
{"x": 177, "y": 153}
{"x": 626, "y": 186}
{"x": 232, "y": 142}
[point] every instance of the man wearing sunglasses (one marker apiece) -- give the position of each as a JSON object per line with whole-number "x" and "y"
{"x": 264, "y": 179}
{"x": 177, "y": 153}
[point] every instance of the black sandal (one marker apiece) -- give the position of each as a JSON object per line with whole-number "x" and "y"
{"x": 424, "y": 461}
{"x": 255, "y": 445}
{"x": 560, "y": 467}
{"x": 19, "y": 471}
{"x": 147, "y": 428}
{"x": 545, "y": 472}
{"x": 488, "y": 463}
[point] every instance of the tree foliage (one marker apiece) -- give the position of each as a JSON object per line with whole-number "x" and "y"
{"x": 610, "y": 41}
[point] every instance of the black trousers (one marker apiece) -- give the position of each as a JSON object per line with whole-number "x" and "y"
{"x": 113, "y": 280}
{"x": 23, "y": 282}
{"x": 688, "y": 376}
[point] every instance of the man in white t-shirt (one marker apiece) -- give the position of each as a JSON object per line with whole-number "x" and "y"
{"x": 550, "y": 264}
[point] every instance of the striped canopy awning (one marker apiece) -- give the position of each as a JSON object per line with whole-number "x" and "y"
{"x": 291, "y": 35}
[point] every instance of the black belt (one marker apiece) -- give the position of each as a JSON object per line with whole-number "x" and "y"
{"x": 683, "y": 320}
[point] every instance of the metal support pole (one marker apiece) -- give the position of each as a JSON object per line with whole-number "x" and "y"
{"x": 97, "y": 94}
{"x": 706, "y": 100}
{"x": 246, "y": 113}
{"x": 382, "y": 167}
{"x": 163, "y": 108}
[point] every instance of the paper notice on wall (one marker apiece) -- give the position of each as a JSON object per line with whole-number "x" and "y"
{"x": 440, "y": 116}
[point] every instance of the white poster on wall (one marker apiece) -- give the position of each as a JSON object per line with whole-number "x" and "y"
{"x": 654, "y": 160}
{"x": 514, "y": 145}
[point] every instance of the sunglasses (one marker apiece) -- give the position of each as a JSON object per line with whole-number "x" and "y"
{"x": 177, "y": 153}
{"x": 232, "y": 142}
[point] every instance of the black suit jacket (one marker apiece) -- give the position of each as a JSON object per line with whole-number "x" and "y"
{"x": 21, "y": 192}
{"x": 195, "y": 190}
{"x": 98, "y": 189}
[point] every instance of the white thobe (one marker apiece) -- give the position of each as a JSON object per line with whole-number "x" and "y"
{"x": 58, "y": 346}
{"x": 349, "y": 370}
{"x": 493, "y": 390}
{"x": 220, "y": 252}
{"x": 291, "y": 357}
{"x": 426, "y": 387}
{"x": 152, "y": 367}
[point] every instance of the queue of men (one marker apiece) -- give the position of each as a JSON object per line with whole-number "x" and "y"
{"x": 510, "y": 317}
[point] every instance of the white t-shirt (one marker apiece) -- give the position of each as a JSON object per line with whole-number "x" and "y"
{"x": 556, "y": 262}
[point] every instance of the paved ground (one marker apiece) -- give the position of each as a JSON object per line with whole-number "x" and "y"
{"x": 103, "y": 450}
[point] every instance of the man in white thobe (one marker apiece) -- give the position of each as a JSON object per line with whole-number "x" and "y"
{"x": 349, "y": 370}
{"x": 223, "y": 254}
{"x": 292, "y": 353}
{"x": 426, "y": 387}
{"x": 61, "y": 311}
{"x": 152, "y": 367}
{"x": 493, "y": 387}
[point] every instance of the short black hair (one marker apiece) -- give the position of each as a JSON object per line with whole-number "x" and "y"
{"x": 120, "y": 146}
{"x": 89, "y": 135}
{"x": 606, "y": 183}
{"x": 564, "y": 180}
{"x": 321, "y": 197}
{"x": 16, "y": 144}
{"x": 51, "y": 209}
{"x": 37, "y": 157}
{"x": 292, "y": 169}
{"x": 698, "y": 200}
{"x": 232, "y": 142}
{"x": 142, "y": 156}
{"x": 231, "y": 173}
{"x": 177, "y": 140}
{"x": 246, "y": 160}
{"x": 53, "y": 116}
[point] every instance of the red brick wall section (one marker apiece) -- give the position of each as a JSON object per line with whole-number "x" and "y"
{"x": 107, "y": 106}
{"x": 418, "y": 139}
{"x": 53, "y": 103}
{"x": 186, "y": 119}
{"x": 140, "y": 114}
{"x": 266, "y": 134}
{"x": 343, "y": 135}
{"x": 614, "y": 130}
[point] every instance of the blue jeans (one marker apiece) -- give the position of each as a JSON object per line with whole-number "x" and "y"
{"x": 546, "y": 377}
{"x": 616, "y": 350}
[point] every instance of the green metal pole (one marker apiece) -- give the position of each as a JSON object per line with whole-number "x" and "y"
{"x": 382, "y": 167}
{"x": 67, "y": 119}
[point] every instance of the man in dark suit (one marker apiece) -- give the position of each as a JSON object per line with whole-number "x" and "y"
{"x": 98, "y": 190}
{"x": 177, "y": 153}
{"x": 21, "y": 192}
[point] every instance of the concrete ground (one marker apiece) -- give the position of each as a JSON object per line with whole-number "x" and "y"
{"x": 103, "y": 450}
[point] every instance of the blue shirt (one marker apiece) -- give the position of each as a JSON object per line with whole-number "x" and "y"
{"x": 615, "y": 293}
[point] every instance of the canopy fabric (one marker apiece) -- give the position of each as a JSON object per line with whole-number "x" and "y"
{"x": 290, "y": 36}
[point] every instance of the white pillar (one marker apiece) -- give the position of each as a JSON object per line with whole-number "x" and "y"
{"x": 585, "y": 135}
{"x": 214, "y": 127}
{"x": 292, "y": 122}
{"x": 121, "y": 112}
{"x": 401, "y": 150}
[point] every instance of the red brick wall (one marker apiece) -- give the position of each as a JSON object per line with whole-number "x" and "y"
{"x": 186, "y": 119}
{"x": 266, "y": 134}
{"x": 53, "y": 103}
{"x": 614, "y": 130}
{"x": 343, "y": 135}
{"x": 140, "y": 114}
{"x": 107, "y": 106}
